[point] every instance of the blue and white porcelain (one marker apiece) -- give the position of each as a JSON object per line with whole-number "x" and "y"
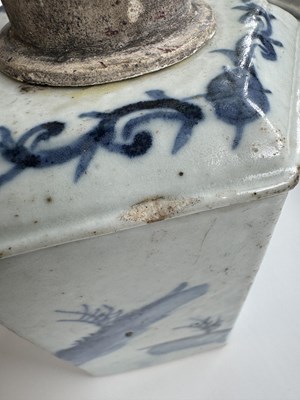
{"x": 135, "y": 215}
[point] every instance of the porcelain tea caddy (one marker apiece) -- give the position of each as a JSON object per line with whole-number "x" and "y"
{"x": 135, "y": 214}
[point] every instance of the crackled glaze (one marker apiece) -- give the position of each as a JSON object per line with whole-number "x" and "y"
{"x": 196, "y": 159}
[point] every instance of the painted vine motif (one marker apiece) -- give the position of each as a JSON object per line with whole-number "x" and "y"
{"x": 117, "y": 328}
{"x": 237, "y": 95}
{"x": 136, "y": 140}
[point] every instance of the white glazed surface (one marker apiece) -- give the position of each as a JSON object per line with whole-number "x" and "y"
{"x": 261, "y": 360}
{"x": 43, "y": 207}
{"x": 146, "y": 272}
{"x": 206, "y": 261}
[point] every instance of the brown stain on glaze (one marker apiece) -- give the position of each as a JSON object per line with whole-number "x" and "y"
{"x": 290, "y": 186}
{"x": 27, "y": 88}
{"x": 295, "y": 181}
{"x": 156, "y": 209}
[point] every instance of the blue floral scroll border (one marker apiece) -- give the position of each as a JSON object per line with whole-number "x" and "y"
{"x": 133, "y": 141}
{"x": 237, "y": 95}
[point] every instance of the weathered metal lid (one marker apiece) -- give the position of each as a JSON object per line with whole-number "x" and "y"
{"x": 216, "y": 130}
{"x": 79, "y": 42}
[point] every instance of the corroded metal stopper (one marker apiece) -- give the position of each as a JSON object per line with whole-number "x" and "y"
{"x": 79, "y": 42}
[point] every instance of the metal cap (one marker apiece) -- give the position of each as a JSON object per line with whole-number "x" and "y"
{"x": 79, "y": 42}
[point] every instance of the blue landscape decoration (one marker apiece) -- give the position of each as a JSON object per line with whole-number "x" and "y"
{"x": 117, "y": 328}
{"x": 237, "y": 95}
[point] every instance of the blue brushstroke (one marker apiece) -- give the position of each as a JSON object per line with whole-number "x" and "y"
{"x": 136, "y": 138}
{"x": 237, "y": 94}
{"x": 117, "y": 328}
{"x": 206, "y": 325}
{"x": 210, "y": 335}
{"x": 189, "y": 342}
